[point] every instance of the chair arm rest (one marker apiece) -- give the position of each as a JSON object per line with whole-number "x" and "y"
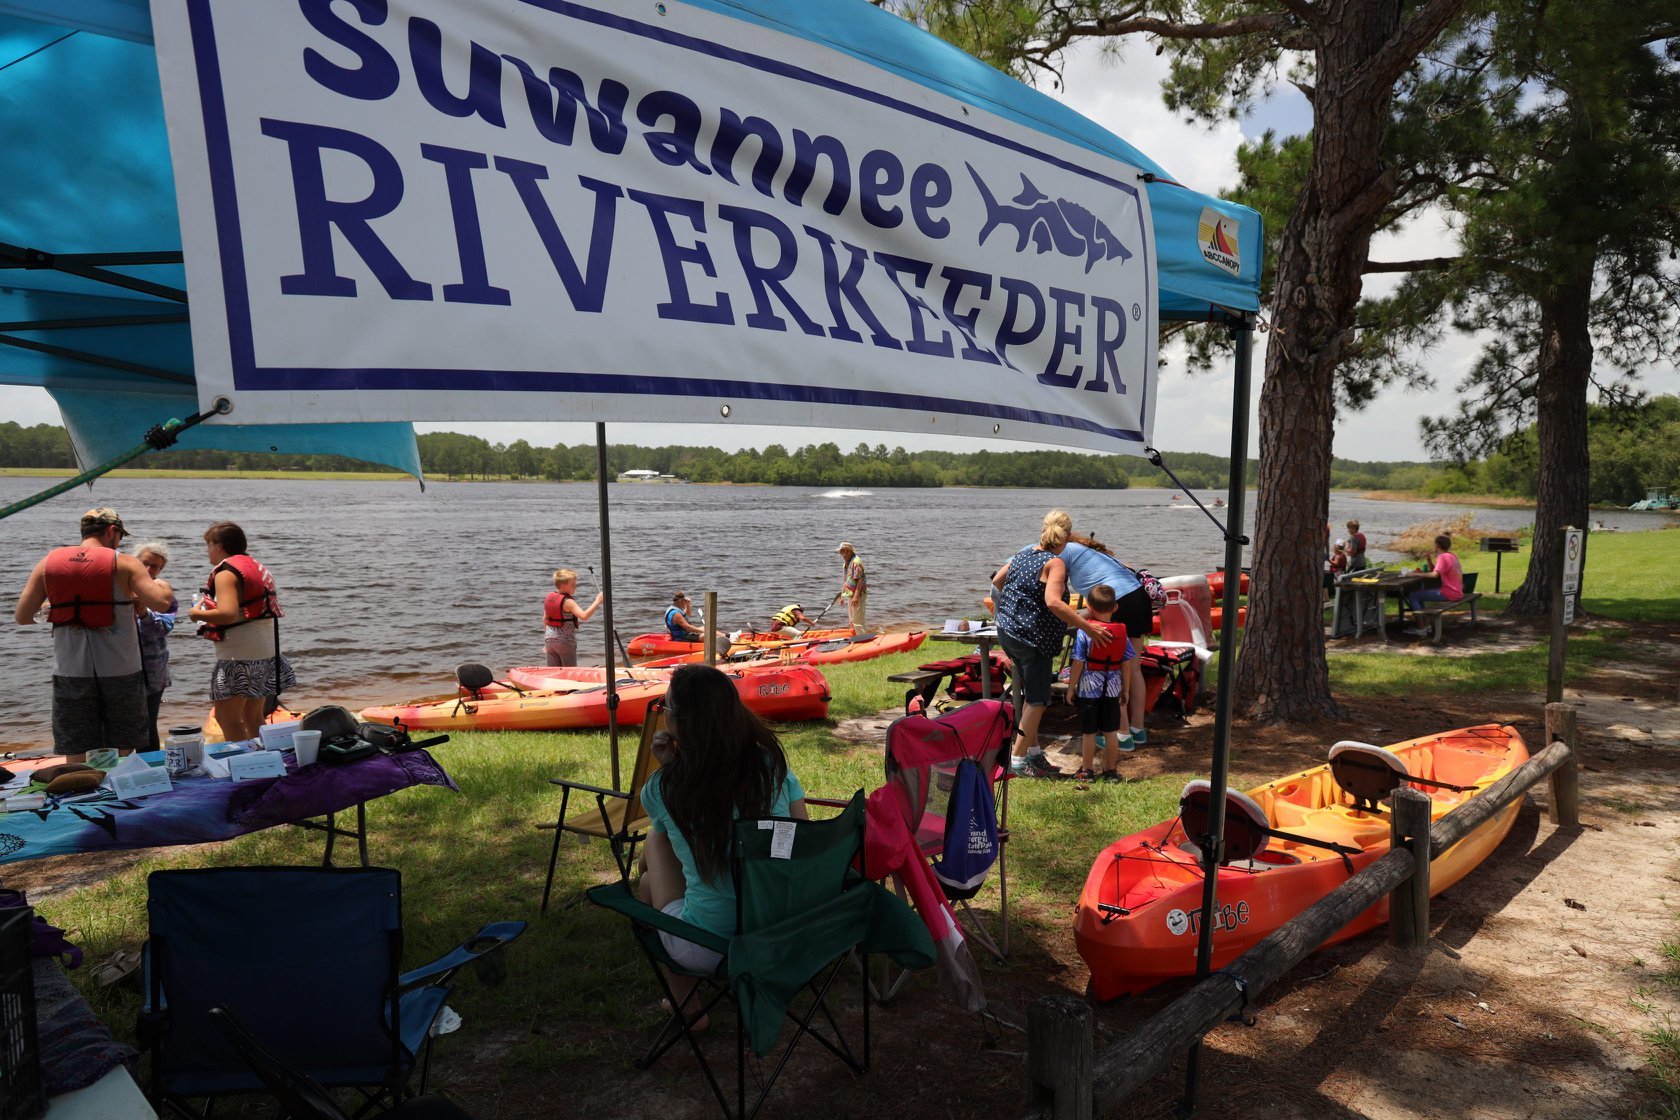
{"x": 828, "y": 802}
{"x": 587, "y": 788}
{"x": 487, "y": 940}
{"x": 617, "y": 898}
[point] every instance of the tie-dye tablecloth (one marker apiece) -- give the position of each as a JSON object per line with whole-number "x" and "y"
{"x": 201, "y": 810}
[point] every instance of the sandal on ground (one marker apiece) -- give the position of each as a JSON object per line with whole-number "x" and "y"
{"x": 1083, "y": 775}
{"x": 116, "y": 968}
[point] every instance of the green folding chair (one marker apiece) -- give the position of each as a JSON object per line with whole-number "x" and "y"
{"x": 802, "y": 908}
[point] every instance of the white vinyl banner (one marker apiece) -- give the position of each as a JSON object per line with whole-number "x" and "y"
{"x": 454, "y": 210}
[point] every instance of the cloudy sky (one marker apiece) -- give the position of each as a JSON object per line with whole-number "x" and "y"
{"x": 1193, "y": 414}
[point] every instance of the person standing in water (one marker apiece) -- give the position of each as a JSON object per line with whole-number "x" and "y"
{"x": 562, "y": 616}
{"x": 854, "y": 585}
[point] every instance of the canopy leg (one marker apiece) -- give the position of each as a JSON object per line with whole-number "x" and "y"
{"x": 606, "y": 592}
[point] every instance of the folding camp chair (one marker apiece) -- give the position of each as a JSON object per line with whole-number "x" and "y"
{"x": 309, "y": 957}
{"x": 922, "y": 755}
{"x": 618, "y": 817}
{"x": 300, "y": 1096}
{"x": 802, "y": 909}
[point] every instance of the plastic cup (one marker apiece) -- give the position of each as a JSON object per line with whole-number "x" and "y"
{"x": 306, "y": 745}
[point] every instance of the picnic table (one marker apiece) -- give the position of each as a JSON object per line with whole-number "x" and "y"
{"x": 981, "y": 638}
{"x": 1359, "y": 586}
{"x": 201, "y": 810}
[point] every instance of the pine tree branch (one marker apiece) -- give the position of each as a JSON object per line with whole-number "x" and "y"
{"x": 1285, "y": 28}
{"x": 1401, "y": 51}
{"x": 1425, "y": 264}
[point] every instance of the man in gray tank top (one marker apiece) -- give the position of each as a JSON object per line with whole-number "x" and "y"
{"x": 99, "y": 686}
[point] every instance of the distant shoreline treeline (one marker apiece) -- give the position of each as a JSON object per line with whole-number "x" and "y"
{"x": 1631, "y": 449}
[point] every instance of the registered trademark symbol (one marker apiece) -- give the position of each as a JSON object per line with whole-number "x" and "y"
{"x": 1137, "y": 312}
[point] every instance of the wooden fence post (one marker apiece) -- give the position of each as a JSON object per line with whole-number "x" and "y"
{"x": 706, "y": 640}
{"x": 1408, "y": 903}
{"x": 1566, "y": 779}
{"x": 1059, "y": 1058}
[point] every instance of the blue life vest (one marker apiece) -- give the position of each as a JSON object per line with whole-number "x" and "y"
{"x": 677, "y": 633}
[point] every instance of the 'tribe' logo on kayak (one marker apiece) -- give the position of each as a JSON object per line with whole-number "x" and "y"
{"x": 1216, "y": 236}
{"x": 1177, "y": 922}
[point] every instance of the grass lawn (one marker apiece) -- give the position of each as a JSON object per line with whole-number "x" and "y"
{"x": 575, "y": 981}
{"x": 477, "y": 856}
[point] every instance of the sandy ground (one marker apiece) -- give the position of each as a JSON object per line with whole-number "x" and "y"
{"x": 1532, "y": 1000}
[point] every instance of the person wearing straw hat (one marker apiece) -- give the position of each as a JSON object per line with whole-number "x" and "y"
{"x": 99, "y": 684}
{"x": 854, "y": 585}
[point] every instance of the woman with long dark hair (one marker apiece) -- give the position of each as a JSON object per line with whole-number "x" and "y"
{"x": 720, "y": 763}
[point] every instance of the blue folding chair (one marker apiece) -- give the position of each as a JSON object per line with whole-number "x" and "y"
{"x": 308, "y": 957}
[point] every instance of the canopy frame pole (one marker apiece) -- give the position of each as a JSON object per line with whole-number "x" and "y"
{"x": 606, "y": 592}
{"x": 95, "y": 359}
{"x": 157, "y": 438}
{"x": 1213, "y": 844}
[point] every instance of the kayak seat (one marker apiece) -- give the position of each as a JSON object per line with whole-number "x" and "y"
{"x": 1247, "y": 829}
{"x": 1367, "y": 773}
{"x": 473, "y": 679}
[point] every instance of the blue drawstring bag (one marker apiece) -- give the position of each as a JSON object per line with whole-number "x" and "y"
{"x": 971, "y": 833}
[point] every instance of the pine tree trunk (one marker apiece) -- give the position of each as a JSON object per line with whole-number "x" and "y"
{"x": 1565, "y": 368}
{"x": 1282, "y": 673}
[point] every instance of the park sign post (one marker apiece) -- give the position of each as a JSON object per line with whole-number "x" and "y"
{"x": 1572, "y": 545}
{"x": 458, "y": 210}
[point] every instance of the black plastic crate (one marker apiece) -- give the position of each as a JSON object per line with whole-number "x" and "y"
{"x": 21, "y": 1095}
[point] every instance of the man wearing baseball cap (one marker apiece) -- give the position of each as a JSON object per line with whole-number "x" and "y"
{"x": 99, "y": 686}
{"x": 854, "y": 585}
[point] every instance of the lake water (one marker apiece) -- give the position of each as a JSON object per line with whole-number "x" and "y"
{"x": 386, "y": 588}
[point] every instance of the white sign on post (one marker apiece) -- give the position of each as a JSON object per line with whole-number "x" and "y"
{"x": 535, "y": 210}
{"x": 1573, "y": 542}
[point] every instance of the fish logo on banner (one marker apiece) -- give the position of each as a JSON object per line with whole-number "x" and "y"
{"x": 1216, "y": 234}
{"x": 1068, "y": 227}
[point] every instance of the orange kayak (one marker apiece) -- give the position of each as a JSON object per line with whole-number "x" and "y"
{"x": 833, "y": 652}
{"x": 791, "y": 693}
{"x": 1155, "y": 876}
{"x": 1216, "y": 584}
{"x": 663, "y": 645}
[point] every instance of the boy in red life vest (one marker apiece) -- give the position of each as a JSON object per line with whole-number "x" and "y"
{"x": 99, "y": 684}
{"x": 562, "y": 616}
{"x": 1096, "y": 687}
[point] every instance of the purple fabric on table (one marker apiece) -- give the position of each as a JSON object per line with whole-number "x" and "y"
{"x": 204, "y": 810}
{"x": 76, "y": 1048}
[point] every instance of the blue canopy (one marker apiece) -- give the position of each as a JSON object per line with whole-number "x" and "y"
{"x": 100, "y": 309}
{"x": 92, "y": 291}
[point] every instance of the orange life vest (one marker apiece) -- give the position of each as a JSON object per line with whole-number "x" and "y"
{"x": 79, "y": 582}
{"x": 263, "y": 602}
{"x": 1107, "y": 658}
{"x": 554, "y": 609}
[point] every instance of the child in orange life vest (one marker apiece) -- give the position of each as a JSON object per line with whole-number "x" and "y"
{"x": 1096, "y": 687}
{"x": 562, "y": 616}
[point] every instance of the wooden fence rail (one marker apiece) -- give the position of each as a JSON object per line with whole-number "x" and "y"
{"x": 1066, "y": 1083}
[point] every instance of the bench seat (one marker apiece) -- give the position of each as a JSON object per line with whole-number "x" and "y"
{"x": 1438, "y": 611}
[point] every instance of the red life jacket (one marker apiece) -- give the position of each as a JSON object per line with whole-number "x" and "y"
{"x": 257, "y": 597}
{"x": 1107, "y": 658}
{"x": 554, "y": 609}
{"x": 79, "y": 582}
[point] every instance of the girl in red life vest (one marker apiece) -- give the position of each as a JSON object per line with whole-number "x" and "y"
{"x": 562, "y": 616}
{"x": 1096, "y": 687}
{"x": 239, "y": 610}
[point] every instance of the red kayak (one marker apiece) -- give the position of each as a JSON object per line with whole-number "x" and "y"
{"x": 833, "y": 652}
{"x": 663, "y": 645}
